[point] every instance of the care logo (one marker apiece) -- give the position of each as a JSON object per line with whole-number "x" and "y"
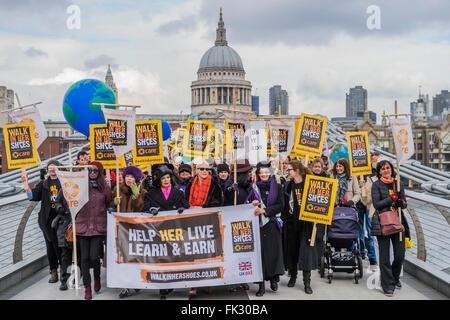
{"x": 245, "y": 267}
{"x": 28, "y": 120}
{"x": 71, "y": 190}
{"x": 402, "y": 137}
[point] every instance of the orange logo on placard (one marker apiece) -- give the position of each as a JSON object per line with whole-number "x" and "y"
{"x": 71, "y": 190}
{"x": 28, "y": 120}
{"x": 402, "y": 137}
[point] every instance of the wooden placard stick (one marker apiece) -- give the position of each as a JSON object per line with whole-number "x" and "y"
{"x": 74, "y": 234}
{"x": 234, "y": 151}
{"x": 398, "y": 180}
{"x": 117, "y": 184}
{"x": 108, "y": 177}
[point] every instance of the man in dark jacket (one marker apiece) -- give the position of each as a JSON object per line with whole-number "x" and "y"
{"x": 46, "y": 191}
{"x": 61, "y": 224}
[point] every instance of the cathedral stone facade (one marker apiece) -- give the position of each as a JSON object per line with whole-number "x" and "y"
{"x": 220, "y": 79}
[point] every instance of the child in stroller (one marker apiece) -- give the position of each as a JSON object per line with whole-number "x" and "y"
{"x": 342, "y": 252}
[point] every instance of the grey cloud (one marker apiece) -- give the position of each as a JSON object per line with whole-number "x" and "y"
{"x": 33, "y": 52}
{"x": 316, "y": 22}
{"x": 101, "y": 60}
{"x": 186, "y": 23}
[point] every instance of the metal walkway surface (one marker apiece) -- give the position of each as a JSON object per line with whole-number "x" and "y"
{"x": 342, "y": 287}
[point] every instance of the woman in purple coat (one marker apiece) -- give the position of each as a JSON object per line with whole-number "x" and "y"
{"x": 91, "y": 227}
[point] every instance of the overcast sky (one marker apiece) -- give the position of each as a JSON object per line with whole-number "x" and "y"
{"x": 316, "y": 50}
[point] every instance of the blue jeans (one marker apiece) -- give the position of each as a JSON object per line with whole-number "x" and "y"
{"x": 363, "y": 215}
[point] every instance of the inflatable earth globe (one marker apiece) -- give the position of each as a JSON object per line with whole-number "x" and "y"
{"x": 339, "y": 151}
{"x": 77, "y": 104}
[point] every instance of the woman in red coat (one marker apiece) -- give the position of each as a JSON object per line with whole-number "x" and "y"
{"x": 91, "y": 227}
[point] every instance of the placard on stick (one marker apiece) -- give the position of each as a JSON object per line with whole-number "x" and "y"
{"x": 310, "y": 136}
{"x": 318, "y": 199}
{"x": 149, "y": 143}
{"x": 359, "y": 153}
{"x": 20, "y": 145}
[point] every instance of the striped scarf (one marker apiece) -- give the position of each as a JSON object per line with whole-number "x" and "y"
{"x": 199, "y": 192}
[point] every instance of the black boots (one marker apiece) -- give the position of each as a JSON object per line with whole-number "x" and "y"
{"x": 273, "y": 284}
{"x": 292, "y": 281}
{"x": 261, "y": 290}
{"x": 307, "y": 282}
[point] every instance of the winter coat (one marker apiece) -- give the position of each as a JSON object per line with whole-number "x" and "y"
{"x": 155, "y": 198}
{"x": 382, "y": 201}
{"x": 42, "y": 193}
{"x": 297, "y": 235}
{"x": 182, "y": 185}
{"x": 127, "y": 203}
{"x": 366, "y": 194}
{"x": 353, "y": 191}
{"x": 91, "y": 219}
{"x": 228, "y": 195}
{"x": 214, "y": 198}
{"x": 64, "y": 219}
{"x": 271, "y": 244}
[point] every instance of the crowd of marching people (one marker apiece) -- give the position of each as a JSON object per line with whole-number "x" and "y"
{"x": 274, "y": 189}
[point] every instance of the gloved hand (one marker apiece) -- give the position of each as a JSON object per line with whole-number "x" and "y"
{"x": 55, "y": 222}
{"x": 349, "y": 204}
{"x": 180, "y": 210}
{"x": 42, "y": 173}
{"x": 394, "y": 196}
{"x": 153, "y": 211}
{"x": 233, "y": 187}
{"x": 116, "y": 201}
{"x": 400, "y": 203}
{"x": 135, "y": 190}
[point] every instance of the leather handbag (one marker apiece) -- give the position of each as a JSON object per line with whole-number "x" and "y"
{"x": 390, "y": 223}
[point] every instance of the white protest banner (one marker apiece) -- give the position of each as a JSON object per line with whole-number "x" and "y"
{"x": 403, "y": 138}
{"x": 236, "y": 124}
{"x": 256, "y": 146}
{"x": 121, "y": 128}
{"x": 283, "y": 136}
{"x": 31, "y": 115}
{"x": 200, "y": 247}
{"x": 75, "y": 186}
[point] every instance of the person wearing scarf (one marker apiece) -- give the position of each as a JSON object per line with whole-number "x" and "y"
{"x": 203, "y": 192}
{"x": 386, "y": 197}
{"x": 298, "y": 233}
{"x": 226, "y": 184}
{"x": 91, "y": 228}
{"x": 267, "y": 196}
{"x": 348, "y": 193}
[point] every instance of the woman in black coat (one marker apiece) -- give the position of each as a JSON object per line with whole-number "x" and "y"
{"x": 164, "y": 196}
{"x": 299, "y": 252}
{"x": 268, "y": 196}
{"x": 226, "y": 184}
{"x": 386, "y": 197}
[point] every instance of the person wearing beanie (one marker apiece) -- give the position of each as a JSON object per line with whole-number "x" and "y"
{"x": 131, "y": 199}
{"x": 46, "y": 191}
{"x": 90, "y": 224}
{"x": 226, "y": 184}
{"x": 185, "y": 175}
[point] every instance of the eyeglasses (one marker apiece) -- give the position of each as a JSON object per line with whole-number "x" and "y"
{"x": 289, "y": 170}
{"x": 94, "y": 171}
{"x": 264, "y": 172}
{"x": 203, "y": 169}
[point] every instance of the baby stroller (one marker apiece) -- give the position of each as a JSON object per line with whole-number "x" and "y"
{"x": 342, "y": 252}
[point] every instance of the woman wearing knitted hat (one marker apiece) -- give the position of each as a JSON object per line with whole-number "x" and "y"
{"x": 267, "y": 195}
{"x": 131, "y": 199}
{"x": 91, "y": 227}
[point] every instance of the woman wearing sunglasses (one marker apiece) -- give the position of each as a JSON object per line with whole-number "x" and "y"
{"x": 203, "y": 192}
{"x": 91, "y": 227}
{"x": 267, "y": 195}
